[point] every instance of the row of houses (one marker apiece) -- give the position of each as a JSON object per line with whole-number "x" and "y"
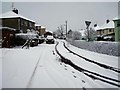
{"x": 109, "y": 31}
{"x": 13, "y": 23}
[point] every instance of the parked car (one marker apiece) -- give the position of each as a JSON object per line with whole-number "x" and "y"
{"x": 41, "y": 40}
{"x": 50, "y": 40}
{"x": 34, "y": 42}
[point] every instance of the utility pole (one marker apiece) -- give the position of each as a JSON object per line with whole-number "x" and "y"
{"x": 12, "y": 5}
{"x": 66, "y": 28}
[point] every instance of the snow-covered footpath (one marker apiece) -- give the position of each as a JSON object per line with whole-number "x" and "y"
{"x": 40, "y": 67}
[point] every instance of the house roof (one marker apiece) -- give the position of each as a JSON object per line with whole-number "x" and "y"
{"x": 106, "y": 25}
{"x": 37, "y": 25}
{"x": 11, "y": 14}
{"x": 42, "y": 27}
{"x": 97, "y": 28}
{"x": 116, "y": 18}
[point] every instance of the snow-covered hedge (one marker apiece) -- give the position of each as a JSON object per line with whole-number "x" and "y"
{"x": 109, "y": 48}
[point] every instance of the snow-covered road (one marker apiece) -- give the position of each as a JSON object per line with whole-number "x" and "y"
{"x": 40, "y": 67}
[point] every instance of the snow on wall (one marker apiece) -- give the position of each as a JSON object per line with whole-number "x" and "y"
{"x": 109, "y": 48}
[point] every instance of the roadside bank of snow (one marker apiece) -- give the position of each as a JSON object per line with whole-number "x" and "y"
{"x": 109, "y": 48}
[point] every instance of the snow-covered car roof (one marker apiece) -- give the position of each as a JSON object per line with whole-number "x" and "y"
{"x": 49, "y": 37}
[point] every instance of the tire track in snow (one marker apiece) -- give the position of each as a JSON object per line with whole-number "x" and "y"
{"x": 31, "y": 78}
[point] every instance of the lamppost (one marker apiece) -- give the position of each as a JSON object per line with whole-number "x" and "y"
{"x": 88, "y": 24}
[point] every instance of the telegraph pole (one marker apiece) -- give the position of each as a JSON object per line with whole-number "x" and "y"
{"x": 66, "y": 28}
{"x": 12, "y": 5}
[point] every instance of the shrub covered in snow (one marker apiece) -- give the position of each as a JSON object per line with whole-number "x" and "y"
{"x": 21, "y": 38}
{"x": 76, "y": 35}
{"x": 109, "y": 48}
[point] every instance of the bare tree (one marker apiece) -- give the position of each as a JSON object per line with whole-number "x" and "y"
{"x": 90, "y": 34}
{"x": 59, "y": 32}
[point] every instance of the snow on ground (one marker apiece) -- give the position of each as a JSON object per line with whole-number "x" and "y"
{"x": 19, "y": 69}
{"x": 40, "y": 67}
{"x": 105, "y": 59}
{"x": 18, "y": 65}
{"x": 0, "y": 69}
{"x": 102, "y": 58}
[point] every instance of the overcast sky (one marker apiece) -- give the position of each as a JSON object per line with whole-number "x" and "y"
{"x": 53, "y": 14}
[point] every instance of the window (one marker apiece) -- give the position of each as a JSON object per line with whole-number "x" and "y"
{"x": 110, "y": 30}
{"x": 30, "y": 24}
{"x": 103, "y": 31}
{"x": 25, "y": 23}
{"x": 22, "y": 23}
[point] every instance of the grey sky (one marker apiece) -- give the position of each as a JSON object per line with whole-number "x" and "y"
{"x": 53, "y": 14}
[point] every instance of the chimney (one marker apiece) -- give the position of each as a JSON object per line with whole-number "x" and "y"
{"x": 15, "y": 10}
{"x": 107, "y": 21}
{"x": 95, "y": 25}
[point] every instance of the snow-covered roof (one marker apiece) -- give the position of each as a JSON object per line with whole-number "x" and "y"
{"x": 42, "y": 27}
{"x": 49, "y": 31}
{"x": 116, "y": 18}
{"x": 106, "y": 25}
{"x": 97, "y": 28}
{"x": 11, "y": 14}
{"x": 37, "y": 25}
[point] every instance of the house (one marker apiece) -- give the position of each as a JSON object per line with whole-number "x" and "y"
{"x": 106, "y": 31}
{"x": 13, "y": 20}
{"x": 38, "y": 29}
{"x": 8, "y": 37}
{"x": 41, "y": 30}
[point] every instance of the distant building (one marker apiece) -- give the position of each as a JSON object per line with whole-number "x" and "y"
{"x": 106, "y": 31}
{"x": 40, "y": 29}
{"x": 13, "y": 20}
{"x": 43, "y": 30}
